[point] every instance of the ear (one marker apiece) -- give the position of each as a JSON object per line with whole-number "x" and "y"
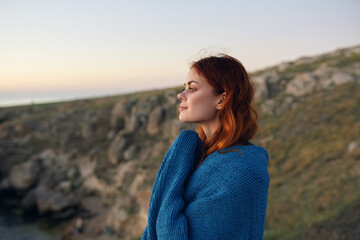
{"x": 221, "y": 102}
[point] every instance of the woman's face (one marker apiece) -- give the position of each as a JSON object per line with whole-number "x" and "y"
{"x": 199, "y": 103}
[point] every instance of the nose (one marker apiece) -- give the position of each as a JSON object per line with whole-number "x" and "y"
{"x": 181, "y": 96}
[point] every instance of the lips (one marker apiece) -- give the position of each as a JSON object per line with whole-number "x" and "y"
{"x": 181, "y": 108}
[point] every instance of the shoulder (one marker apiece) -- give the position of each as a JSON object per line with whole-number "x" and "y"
{"x": 242, "y": 161}
{"x": 242, "y": 155}
{"x": 233, "y": 172}
{"x": 188, "y": 136}
{"x": 186, "y": 140}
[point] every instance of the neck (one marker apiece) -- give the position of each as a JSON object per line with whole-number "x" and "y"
{"x": 209, "y": 128}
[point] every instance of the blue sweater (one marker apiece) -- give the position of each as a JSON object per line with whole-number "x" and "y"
{"x": 224, "y": 198}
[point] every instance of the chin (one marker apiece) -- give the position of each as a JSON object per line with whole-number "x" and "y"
{"x": 183, "y": 119}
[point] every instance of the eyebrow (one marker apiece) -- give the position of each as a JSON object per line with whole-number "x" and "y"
{"x": 188, "y": 83}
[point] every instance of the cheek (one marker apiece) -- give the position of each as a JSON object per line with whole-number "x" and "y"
{"x": 203, "y": 107}
{"x": 200, "y": 108}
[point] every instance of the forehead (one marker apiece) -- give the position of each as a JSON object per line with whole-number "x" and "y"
{"x": 195, "y": 76}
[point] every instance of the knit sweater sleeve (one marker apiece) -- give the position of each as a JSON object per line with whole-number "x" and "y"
{"x": 165, "y": 218}
{"x": 226, "y": 198}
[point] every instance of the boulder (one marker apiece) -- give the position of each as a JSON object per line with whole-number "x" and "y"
{"x": 116, "y": 149}
{"x": 50, "y": 158}
{"x": 262, "y": 83}
{"x": 25, "y": 175}
{"x": 171, "y": 97}
{"x": 156, "y": 118}
{"x": 136, "y": 122}
{"x": 118, "y": 114}
{"x": 5, "y": 184}
{"x": 283, "y": 66}
{"x": 130, "y": 152}
{"x": 123, "y": 217}
{"x": 333, "y": 78}
{"x": 305, "y": 60}
{"x": 89, "y": 124}
{"x": 140, "y": 113}
{"x": 324, "y": 71}
{"x": 267, "y": 107}
{"x": 65, "y": 186}
{"x": 29, "y": 201}
{"x": 260, "y": 86}
{"x": 49, "y": 201}
{"x": 301, "y": 84}
{"x": 86, "y": 166}
{"x": 352, "y": 146}
{"x": 94, "y": 184}
{"x": 355, "y": 70}
{"x": 341, "y": 77}
{"x": 124, "y": 172}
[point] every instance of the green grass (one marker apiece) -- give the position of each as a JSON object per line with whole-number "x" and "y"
{"x": 338, "y": 61}
{"x": 313, "y": 177}
{"x": 309, "y": 164}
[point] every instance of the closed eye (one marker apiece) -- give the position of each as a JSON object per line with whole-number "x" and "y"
{"x": 190, "y": 89}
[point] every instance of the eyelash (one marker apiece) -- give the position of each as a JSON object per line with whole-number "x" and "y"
{"x": 191, "y": 90}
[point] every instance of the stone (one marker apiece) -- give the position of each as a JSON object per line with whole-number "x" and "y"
{"x": 156, "y": 118}
{"x": 86, "y": 167}
{"x": 137, "y": 183}
{"x": 136, "y": 122}
{"x": 86, "y": 130}
{"x": 118, "y": 113}
{"x": 262, "y": 83}
{"x": 171, "y": 97}
{"x": 283, "y": 66}
{"x": 115, "y": 151}
{"x": 5, "y": 184}
{"x": 341, "y": 78}
{"x": 65, "y": 186}
{"x": 324, "y": 70}
{"x": 29, "y": 201}
{"x": 301, "y": 84}
{"x": 260, "y": 86}
{"x": 52, "y": 201}
{"x": 305, "y": 60}
{"x": 121, "y": 211}
{"x": 332, "y": 78}
{"x": 267, "y": 107}
{"x": 352, "y": 146}
{"x": 94, "y": 184}
{"x": 130, "y": 152}
{"x": 123, "y": 171}
{"x": 25, "y": 175}
{"x": 355, "y": 69}
{"x": 88, "y": 125}
{"x": 111, "y": 134}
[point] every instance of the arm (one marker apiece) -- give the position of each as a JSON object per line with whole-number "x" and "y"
{"x": 227, "y": 197}
{"x": 166, "y": 219}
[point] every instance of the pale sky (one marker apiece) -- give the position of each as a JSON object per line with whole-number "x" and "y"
{"x": 51, "y": 50}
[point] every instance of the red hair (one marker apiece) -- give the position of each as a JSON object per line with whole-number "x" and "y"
{"x": 238, "y": 118}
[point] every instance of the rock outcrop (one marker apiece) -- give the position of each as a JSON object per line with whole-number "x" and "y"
{"x": 278, "y": 87}
{"x": 55, "y": 157}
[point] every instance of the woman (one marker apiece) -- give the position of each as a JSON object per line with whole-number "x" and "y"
{"x": 212, "y": 183}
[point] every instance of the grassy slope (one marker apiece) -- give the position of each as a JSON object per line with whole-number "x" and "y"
{"x": 313, "y": 177}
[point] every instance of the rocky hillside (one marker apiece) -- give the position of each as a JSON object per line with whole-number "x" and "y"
{"x": 98, "y": 158}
